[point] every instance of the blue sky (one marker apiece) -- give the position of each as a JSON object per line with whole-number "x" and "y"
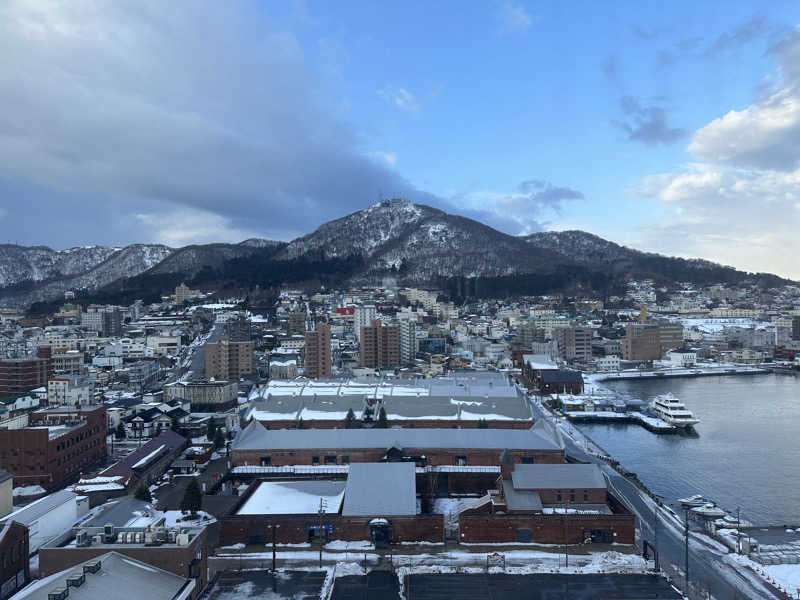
{"x": 667, "y": 127}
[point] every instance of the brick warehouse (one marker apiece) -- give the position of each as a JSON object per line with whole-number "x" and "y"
{"x": 56, "y": 447}
{"x": 255, "y": 445}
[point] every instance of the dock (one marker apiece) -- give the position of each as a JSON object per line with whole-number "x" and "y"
{"x": 653, "y": 424}
{"x": 660, "y": 374}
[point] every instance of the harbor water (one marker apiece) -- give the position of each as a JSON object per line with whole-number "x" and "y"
{"x": 746, "y": 452}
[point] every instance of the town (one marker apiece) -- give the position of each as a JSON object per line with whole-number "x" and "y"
{"x": 385, "y": 434}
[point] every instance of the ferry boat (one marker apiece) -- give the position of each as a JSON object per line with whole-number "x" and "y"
{"x": 709, "y": 511}
{"x": 668, "y": 408}
{"x": 692, "y": 501}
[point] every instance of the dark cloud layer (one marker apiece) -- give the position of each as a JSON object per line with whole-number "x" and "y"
{"x": 172, "y": 122}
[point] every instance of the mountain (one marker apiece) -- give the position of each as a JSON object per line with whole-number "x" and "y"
{"x": 413, "y": 243}
{"x": 190, "y": 260}
{"x": 420, "y": 243}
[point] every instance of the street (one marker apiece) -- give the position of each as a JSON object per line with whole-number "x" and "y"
{"x": 707, "y": 570}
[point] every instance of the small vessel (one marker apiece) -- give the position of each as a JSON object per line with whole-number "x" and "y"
{"x": 668, "y": 408}
{"x": 692, "y": 501}
{"x": 709, "y": 511}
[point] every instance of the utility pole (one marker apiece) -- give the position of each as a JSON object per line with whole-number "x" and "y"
{"x": 566, "y": 547}
{"x": 320, "y": 512}
{"x": 686, "y": 544}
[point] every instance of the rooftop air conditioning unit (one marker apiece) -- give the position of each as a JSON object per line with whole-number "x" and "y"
{"x": 129, "y": 537}
{"x": 171, "y": 536}
{"x": 139, "y": 537}
{"x": 76, "y": 580}
{"x": 161, "y": 534}
{"x": 99, "y": 538}
{"x": 82, "y": 538}
{"x": 182, "y": 539}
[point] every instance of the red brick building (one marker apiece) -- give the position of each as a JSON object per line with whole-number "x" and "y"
{"x": 14, "y": 565}
{"x": 255, "y": 445}
{"x": 58, "y": 445}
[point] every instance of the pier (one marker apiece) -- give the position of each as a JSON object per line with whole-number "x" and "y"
{"x": 659, "y": 374}
{"x": 653, "y": 424}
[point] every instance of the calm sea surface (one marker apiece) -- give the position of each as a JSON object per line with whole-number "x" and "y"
{"x": 747, "y": 453}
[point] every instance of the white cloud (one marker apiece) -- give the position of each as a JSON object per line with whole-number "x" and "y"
{"x": 400, "y": 98}
{"x": 739, "y": 204}
{"x": 514, "y": 17}
{"x": 389, "y": 157}
{"x": 184, "y": 226}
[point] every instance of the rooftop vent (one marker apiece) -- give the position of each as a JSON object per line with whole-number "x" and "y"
{"x": 76, "y": 580}
{"x": 92, "y": 566}
{"x": 58, "y": 593}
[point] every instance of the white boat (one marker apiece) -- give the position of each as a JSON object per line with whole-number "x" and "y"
{"x": 692, "y": 501}
{"x": 668, "y": 408}
{"x": 709, "y": 511}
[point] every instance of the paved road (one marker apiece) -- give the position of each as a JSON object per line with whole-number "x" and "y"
{"x": 706, "y": 567}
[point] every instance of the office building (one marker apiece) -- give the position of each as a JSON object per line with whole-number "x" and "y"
{"x": 69, "y": 390}
{"x": 407, "y": 331}
{"x": 574, "y": 343}
{"x": 20, "y": 375}
{"x": 105, "y": 320}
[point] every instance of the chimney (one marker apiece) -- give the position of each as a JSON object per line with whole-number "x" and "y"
{"x": 506, "y": 464}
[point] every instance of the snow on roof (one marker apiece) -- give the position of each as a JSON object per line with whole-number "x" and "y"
{"x": 142, "y": 462}
{"x": 294, "y": 497}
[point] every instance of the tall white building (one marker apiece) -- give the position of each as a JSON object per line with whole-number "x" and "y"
{"x": 69, "y": 390}
{"x": 363, "y": 317}
{"x": 408, "y": 341}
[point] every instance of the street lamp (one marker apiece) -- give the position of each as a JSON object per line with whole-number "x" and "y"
{"x": 273, "y": 527}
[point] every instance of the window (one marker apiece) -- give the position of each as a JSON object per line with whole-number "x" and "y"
{"x": 585, "y": 495}
{"x": 527, "y": 460}
{"x": 572, "y": 495}
{"x": 558, "y": 496}
{"x": 315, "y": 460}
{"x": 461, "y": 461}
{"x": 345, "y": 460}
{"x": 330, "y": 460}
{"x": 266, "y": 461}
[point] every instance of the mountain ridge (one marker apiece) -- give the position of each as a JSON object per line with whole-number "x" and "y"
{"x": 415, "y": 243}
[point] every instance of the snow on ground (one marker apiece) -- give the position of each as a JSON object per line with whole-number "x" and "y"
{"x": 176, "y": 518}
{"x": 786, "y": 576}
{"x": 29, "y": 490}
{"x": 343, "y": 545}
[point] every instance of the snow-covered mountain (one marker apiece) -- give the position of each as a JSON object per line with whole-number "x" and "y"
{"x": 417, "y": 244}
{"x": 42, "y": 273}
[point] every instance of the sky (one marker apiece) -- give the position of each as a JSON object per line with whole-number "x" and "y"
{"x": 667, "y": 127}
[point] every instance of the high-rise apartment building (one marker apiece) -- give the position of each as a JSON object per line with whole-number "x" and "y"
{"x": 21, "y": 375}
{"x": 380, "y": 345}
{"x": 105, "y": 320}
{"x": 318, "y": 352}
{"x": 363, "y": 316}
{"x": 229, "y": 360}
{"x": 407, "y": 331}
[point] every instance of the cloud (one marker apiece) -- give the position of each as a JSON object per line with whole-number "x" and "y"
{"x": 739, "y": 203}
{"x": 520, "y": 212}
{"x": 400, "y": 98}
{"x": 389, "y": 157}
{"x": 647, "y": 124}
{"x": 513, "y": 17}
{"x": 740, "y": 35}
{"x": 611, "y": 70}
{"x": 113, "y": 110}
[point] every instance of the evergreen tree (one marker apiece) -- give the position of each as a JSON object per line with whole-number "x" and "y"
{"x": 382, "y": 422}
{"x": 211, "y": 431}
{"x": 350, "y": 419}
{"x": 192, "y": 497}
{"x": 219, "y": 439}
{"x": 143, "y": 493}
{"x": 120, "y": 432}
